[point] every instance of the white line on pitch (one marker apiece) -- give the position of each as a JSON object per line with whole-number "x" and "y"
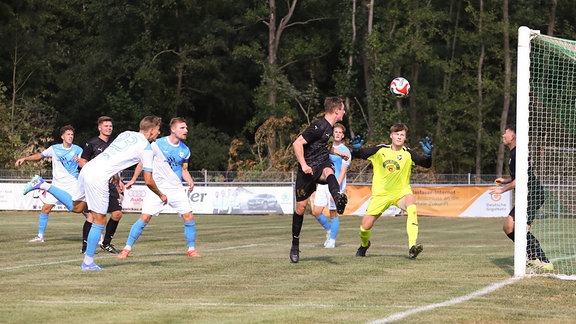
{"x": 454, "y": 301}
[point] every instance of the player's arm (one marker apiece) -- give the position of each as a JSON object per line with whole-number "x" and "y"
{"x": 298, "y": 146}
{"x": 85, "y": 157}
{"x": 365, "y": 152}
{"x": 137, "y": 172}
{"x": 503, "y": 185}
{"x": 362, "y": 152}
{"x": 342, "y": 174}
{"x": 33, "y": 157}
{"x": 187, "y": 177}
{"x": 149, "y": 180}
{"x": 421, "y": 160}
{"x": 426, "y": 159}
{"x": 341, "y": 154}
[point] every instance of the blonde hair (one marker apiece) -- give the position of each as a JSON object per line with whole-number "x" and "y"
{"x": 150, "y": 122}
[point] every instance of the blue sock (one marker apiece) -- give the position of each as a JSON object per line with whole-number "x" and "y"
{"x": 135, "y": 232}
{"x": 62, "y": 196}
{"x": 190, "y": 233}
{"x": 93, "y": 238}
{"x": 323, "y": 220}
{"x": 335, "y": 227}
{"x": 42, "y": 223}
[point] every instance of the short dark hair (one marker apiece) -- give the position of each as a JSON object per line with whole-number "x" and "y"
{"x": 102, "y": 119}
{"x": 66, "y": 128}
{"x": 331, "y": 103}
{"x": 511, "y": 127}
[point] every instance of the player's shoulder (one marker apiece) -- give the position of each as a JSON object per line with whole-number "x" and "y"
{"x": 342, "y": 147}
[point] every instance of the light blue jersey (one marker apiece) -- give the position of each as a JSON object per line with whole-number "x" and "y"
{"x": 168, "y": 162}
{"x": 64, "y": 167}
{"x": 339, "y": 162}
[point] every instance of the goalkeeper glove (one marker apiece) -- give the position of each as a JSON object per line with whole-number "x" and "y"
{"x": 427, "y": 147}
{"x": 357, "y": 142}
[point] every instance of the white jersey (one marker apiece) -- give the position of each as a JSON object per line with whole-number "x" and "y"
{"x": 126, "y": 150}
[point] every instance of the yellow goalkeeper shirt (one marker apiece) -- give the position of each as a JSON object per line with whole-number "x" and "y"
{"x": 392, "y": 169}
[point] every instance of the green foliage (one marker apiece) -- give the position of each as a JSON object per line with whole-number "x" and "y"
{"x": 209, "y": 61}
{"x": 208, "y": 146}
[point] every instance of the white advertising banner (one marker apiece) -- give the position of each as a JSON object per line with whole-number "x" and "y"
{"x": 204, "y": 200}
{"x": 224, "y": 200}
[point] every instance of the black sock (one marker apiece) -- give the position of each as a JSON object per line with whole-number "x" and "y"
{"x": 534, "y": 249}
{"x": 85, "y": 230}
{"x": 333, "y": 186}
{"x": 111, "y": 227}
{"x": 297, "y": 221}
{"x": 511, "y": 236}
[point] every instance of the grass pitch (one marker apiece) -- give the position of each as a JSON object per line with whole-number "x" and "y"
{"x": 245, "y": 276}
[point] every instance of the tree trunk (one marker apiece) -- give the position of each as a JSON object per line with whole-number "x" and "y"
{"x": 368, "y": 66}
{"x": 552, "y": 21}
{"x": 480, "y": 112}
{"x": 350, "y": 66}
{"x": 507, "y": 86}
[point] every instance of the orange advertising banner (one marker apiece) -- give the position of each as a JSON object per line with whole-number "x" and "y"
{"x": 464, "y": 201}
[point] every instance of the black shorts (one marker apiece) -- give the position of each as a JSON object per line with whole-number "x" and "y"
{"x": 114, "y": 200}
{"x": 306, "y": 183}
{"x": 534, "y": 203}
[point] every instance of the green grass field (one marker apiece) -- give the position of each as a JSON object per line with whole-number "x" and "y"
{"x": 464, "y": 275}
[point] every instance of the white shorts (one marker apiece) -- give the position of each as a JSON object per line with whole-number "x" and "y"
{"x": 69, "y": 187}
{"x": 94, "y": 189}
{"x": 177, "y": 199}
{"x": 323, "y": 198}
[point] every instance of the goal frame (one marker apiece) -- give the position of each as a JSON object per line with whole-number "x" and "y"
{"x": 522, "y": 130}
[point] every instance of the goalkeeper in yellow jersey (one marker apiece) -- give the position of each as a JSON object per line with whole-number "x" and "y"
{"x": 392, "y": 167}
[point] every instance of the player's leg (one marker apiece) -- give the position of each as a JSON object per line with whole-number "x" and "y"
{"x": 42, "y": 222}
{"x": 376, "y": 206}
{"x": 96, "y": 194}
{"x": 37, "y": 182}
{"x": 190, "y": 233}
{"x": 92, "y": 241}
{"x": 321, "y": 199}
{"x": 115, "y": 210}
{"x": 366, "y": 233}
{"x": 304, "y": 187}
{"x": 180, "y": 202}
{"x": 297, "y": 221}
{"x": 86, "y": 229}
{"x": 334, "y": 228}
{"x": 152, "y": 205}
{"x": 407, "y": 202}
{"x": 135, "y": 232}
{"x": 334, "y": 187}
{"x": 533, "y": 247}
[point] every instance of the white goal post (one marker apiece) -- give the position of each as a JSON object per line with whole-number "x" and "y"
{"x": 546, "y": 151}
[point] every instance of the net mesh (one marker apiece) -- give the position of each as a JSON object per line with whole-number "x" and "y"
{"x": 552, "y": 150}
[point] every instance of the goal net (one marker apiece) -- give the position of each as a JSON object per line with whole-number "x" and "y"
{"x": 546, "y": 151}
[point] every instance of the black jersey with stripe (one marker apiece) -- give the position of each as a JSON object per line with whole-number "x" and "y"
{"x": 316, "y": 150}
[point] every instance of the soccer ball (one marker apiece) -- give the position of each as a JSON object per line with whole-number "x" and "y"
{"x": 400, "y": 87}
